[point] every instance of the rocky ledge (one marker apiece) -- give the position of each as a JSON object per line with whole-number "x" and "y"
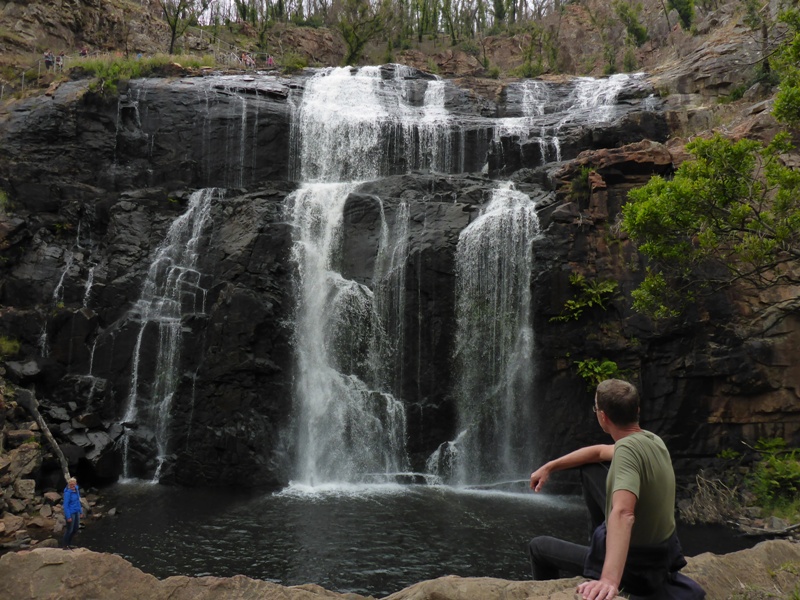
{"x": 769, "y": 570}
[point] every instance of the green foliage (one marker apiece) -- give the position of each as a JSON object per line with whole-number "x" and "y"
{"x": 359, "y": 22}
{"x": 5, "y": 203}
{"x": 775, "y": 479}
{"x": 787, "y": 101}
{"x": 8, "y": 347}
{"x": 610, "y": 56}
{"x": 110, "y": 71}
{"x": 528, "y": 69}
{"x": 629, "y": 62}
{"x": 493, "y": 72}
{"x": 729, "y": 454}
{"x": 630, "y": 15}
{"x": 292, "y": 62}
{"x": 591, "y": 293}
{"x": 737, "y": 93}
{"x": 685, "y": 9}
{"x": 471, "y": 48}
{"x": 579, "y": 187}
{"x": 732, "y": 213}
{"x": 593, "y": 371}
{"x": 314, "y": 21}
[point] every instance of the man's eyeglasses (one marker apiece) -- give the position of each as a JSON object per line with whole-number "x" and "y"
{"x": 594, "y": 408}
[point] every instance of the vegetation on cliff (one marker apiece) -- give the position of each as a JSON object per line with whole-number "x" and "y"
{"x": 730, "y": 214}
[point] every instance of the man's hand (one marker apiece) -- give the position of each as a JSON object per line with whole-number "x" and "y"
{"x": 598, "y": 590}
{"x": 539, "y": 477}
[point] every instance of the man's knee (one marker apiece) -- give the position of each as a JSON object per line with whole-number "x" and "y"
{"x": 538, "y": 545}
{"x": 540, "y": 550}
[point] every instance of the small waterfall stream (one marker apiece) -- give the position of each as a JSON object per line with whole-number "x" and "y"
{"x": 172, "y": 290}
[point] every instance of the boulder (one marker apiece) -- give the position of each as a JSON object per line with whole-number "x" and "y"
{"x": 52, "y": 498}
{"x": 25, "y": 460}
{"x": 768, "y": 569}
{"x": 25, "y": 489}
{"x": 17, "y": 437}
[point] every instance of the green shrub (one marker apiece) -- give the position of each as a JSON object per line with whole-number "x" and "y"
{"x": 5, "y": 203}
{"x": 775, "y": 479}
{"x": 579, "y": 187}
{"x": 293, "y": 61}
{"x": 528, "y": 69}
{"x": 8, "y": 347}
{"x": 629, "y": 62}
{"x": 493, "y": 72}
{"x": 591, "y": 293}
{"x": 729, "y": 454}
{"x": 629, "y": 15}
{"x": 109, "y": 71}
{"x": 685, "y": 9}
{"x": 593, "y": 371}
{"x": 471, "y": 48}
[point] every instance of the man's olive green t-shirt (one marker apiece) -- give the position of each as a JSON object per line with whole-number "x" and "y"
{"x": 642, "y": 465}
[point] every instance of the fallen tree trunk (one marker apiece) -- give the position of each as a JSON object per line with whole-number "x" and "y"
{"x": 28, "y": 401}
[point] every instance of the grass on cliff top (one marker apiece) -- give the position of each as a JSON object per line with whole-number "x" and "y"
{"x": 110, "y": 70}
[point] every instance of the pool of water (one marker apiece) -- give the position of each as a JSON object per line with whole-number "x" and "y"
{"x": 366, "y": 539}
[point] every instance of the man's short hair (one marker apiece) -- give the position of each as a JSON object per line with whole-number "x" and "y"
{"x": 619, "y": 400}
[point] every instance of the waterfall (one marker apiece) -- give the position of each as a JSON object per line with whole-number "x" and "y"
{"x": 171, "y": 291}
{"x": 541, "y": 110}
{"x": 87, "y": 290}
{"x": 494, "y": 340}
{"x": 350, "y": 426}
{"x": 58, "y": 292}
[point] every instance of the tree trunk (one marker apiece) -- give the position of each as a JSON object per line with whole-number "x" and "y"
{"x": 27, "y": 400}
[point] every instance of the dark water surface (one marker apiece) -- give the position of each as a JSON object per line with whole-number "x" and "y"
{"x": 371, "y": 540}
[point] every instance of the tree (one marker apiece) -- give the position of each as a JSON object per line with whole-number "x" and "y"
{"x": 731, "y": 214}
{"x": 758, "y": 17}
{"x": 630, "y": 15}
{"x": 180, "y": 14}
{"x": 685, "y": 9}
{"x": 359, "y": 22}
{"x": 787, "y": 101}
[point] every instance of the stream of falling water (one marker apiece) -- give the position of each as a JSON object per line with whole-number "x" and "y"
{"x": 350, "y": 426}
{"x": 494, "y": 343}
{"x": 171, "y": 291}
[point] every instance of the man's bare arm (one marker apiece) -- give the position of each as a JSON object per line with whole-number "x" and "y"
{"x": 618, "y": 538}
{"x": 582, "y": 456}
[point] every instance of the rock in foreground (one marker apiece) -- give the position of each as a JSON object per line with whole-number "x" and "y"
{"x": 49, "y": 574}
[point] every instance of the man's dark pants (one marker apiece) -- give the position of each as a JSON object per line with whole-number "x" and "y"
{"x": 551, "y": 557}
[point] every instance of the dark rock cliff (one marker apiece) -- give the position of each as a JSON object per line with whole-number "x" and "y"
{"x": 94, "y": 184}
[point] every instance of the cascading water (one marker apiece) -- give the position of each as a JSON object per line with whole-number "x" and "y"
{"x": 350, "y": 425}
{"x": 545, "y": 109}
{"x": 171, "y": 291}
{"x": 494, "y": 342}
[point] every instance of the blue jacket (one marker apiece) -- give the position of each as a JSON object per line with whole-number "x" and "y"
{"x": 72, "y": 502}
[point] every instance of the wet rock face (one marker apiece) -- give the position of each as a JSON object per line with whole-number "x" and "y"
{"x": 96, "y": 185}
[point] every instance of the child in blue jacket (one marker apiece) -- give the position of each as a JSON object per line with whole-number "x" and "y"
{"x": 72, "y": 511}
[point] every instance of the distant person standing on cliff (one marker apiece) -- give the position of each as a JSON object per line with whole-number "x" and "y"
{"x": 73, "y": 511}
{"x": 629, "y": 489}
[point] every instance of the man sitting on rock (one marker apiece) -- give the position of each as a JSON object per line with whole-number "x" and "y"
{"x": 635, "y": 549}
